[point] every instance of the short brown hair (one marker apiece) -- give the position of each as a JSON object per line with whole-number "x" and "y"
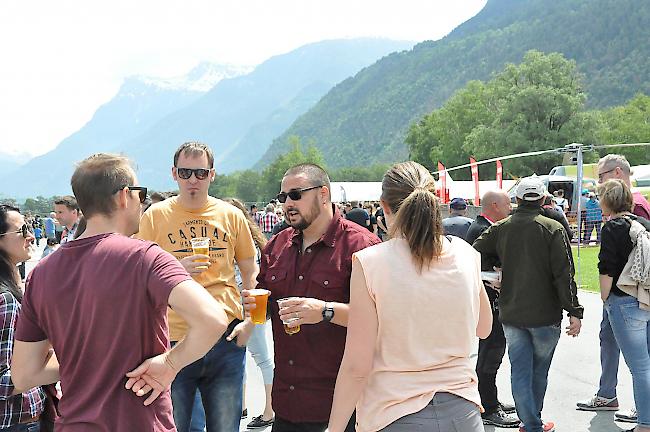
{"x": 69, "y": 201}
{"x": 97, "y": 178}
{"x": 194, "y": 148}
{"x": 316, "y": 175}
{"x": 616, "y": 196}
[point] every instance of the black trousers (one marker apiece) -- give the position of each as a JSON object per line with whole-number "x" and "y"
{"x": 490, "y": 355}
{"x": 280, "y": 425}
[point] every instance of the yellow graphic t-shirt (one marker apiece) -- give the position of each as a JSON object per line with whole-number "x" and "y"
{"x": 172, "y": 227}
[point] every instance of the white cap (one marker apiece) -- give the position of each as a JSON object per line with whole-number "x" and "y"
{"x": 531, "y": 189}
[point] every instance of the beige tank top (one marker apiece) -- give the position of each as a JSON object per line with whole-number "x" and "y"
{"x": 427, "y": 328}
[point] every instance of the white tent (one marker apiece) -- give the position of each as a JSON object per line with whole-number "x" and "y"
{"x": 371, "y": 191}
{"x": 355, "y": 191}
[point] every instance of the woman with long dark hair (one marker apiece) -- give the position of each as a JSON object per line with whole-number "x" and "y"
{"x": 417, "y": 304}
{"x": 19, "y": 412}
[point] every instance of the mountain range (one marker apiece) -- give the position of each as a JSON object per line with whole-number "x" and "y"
{"x": 364, "y": 119}
{"x": 138, "y": 105}
{"x": 236, "y": 110}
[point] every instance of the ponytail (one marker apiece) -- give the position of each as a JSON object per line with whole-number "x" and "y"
{"x": 408, "y": 189}
{"x": 418, "y": 221}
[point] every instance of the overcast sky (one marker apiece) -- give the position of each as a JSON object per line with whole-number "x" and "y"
{"x": 61, "y": 60}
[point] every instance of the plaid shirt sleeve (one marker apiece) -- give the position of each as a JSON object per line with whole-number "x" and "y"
{"x": 26, "y": 405}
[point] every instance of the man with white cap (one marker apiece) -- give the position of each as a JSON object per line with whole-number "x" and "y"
{"x": 536, "y": 285}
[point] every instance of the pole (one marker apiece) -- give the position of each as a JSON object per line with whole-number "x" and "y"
{"x": 578, "y": 195}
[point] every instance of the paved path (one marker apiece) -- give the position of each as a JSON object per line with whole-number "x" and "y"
{"x": 574, "y": 376}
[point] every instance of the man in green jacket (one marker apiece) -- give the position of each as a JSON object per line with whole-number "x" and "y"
{"x": 537, "y": 284}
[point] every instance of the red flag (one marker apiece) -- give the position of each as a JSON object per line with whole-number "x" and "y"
{"x": 499, "y": 175}
{"x": 474, "y": 166}
{"x": 442, "y": 177}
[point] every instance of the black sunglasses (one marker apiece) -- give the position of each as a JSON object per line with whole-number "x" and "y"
{"x": 199, "y": 173}
{"x": 25, "y": 230}
{"x": 600, "y": 175}
{"x": 142, "y": 192}
{"x": 294, "y": 194}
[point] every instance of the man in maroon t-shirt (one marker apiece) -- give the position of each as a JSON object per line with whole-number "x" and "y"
{"x": 311, "y": 262}
{"x": 100, "y": 302}
{"x": 613, "y": 166}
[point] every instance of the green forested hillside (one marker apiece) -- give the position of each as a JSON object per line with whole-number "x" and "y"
{"x": 364, "y": 119}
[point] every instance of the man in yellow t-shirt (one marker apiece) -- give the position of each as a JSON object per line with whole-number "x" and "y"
{"x": 172, "y": 224}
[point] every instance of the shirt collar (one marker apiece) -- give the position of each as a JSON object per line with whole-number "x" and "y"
{"x": 488, "y": 219}
{"x": 329, "y": 238}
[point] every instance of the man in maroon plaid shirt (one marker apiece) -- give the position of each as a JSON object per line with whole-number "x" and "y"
{"x": 268, "y": 221}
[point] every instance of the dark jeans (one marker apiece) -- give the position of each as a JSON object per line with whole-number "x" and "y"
{"x": 490, "y": 354}
{"x": 219, "y": 376}
{"x": 280, "y": 425}
{"x": 23, "y": 427}
{"x": 589, "y": 229}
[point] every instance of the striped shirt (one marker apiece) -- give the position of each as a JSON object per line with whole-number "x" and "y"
{"x": 268, "y": 220}
{"x": 30, "y": 404}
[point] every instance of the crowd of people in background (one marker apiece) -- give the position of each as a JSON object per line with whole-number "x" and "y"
{"x": 124, "y": 300}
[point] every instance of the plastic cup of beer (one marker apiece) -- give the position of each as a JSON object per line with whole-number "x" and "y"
{"x": 288, "y": 330}
{"x": 258, "y": 315}
{"x": 201, "y": 246}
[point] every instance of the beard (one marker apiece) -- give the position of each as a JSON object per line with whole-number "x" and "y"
{"x": 301, "y": 221}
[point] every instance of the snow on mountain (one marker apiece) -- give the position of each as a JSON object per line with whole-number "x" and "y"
{"x": 200, "y": 79}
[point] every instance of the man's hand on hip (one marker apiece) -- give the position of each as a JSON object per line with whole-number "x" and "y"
{"x": 154, "y": 376}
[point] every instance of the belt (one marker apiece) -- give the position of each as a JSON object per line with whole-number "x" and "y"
{"x": 30, "y": 420}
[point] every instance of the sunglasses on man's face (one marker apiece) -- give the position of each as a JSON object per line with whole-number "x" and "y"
{"x": 142, "y": 192}
{"x": 294, "y": 194}
{"x": 25, "y": 230}
{"x": 199, "y": 173}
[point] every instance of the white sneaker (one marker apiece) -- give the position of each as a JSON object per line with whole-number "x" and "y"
{"x": 597, "y": 403}
{"x": 628, "y": 416}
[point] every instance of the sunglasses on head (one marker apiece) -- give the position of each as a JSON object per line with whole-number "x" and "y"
{"x": 294, "y": 194}
{"x": 142, "y": 192}
{"x": 25, "y": 230}
{"x": 199, "y": 173}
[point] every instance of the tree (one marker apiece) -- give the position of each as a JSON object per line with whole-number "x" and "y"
{"x": 628, "y": 124}
{"x": 536, "y": 105}
{"x": 272, "y": 176}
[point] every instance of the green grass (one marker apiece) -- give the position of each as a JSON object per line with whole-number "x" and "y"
{"x": 587, "y": 277}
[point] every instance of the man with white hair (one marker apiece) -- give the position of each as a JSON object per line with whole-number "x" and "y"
{"x": 536, "y": 285}
{"x": 613, "y": 166}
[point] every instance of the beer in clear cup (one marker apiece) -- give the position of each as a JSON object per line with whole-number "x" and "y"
{"x": 288, "y": 330}
{"x": 258, "y": 315}
{"x": 201, "y": 246}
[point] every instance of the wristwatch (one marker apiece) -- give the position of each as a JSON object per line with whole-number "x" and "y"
{"x": 328, "y": 312}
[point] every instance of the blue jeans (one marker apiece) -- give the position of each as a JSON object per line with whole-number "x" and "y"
{"x": 24, "y": 427}
{"x": 198, "y": 414}
{"x": 219, "y": 376}
{"x": 530, "y": 350}
{"x": 631, "y": 326}
{"x": 259, "y": 349}
{"x": 610, "y": 355}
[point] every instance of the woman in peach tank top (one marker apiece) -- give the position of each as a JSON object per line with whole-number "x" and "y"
{"x": 417, "y": 304}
